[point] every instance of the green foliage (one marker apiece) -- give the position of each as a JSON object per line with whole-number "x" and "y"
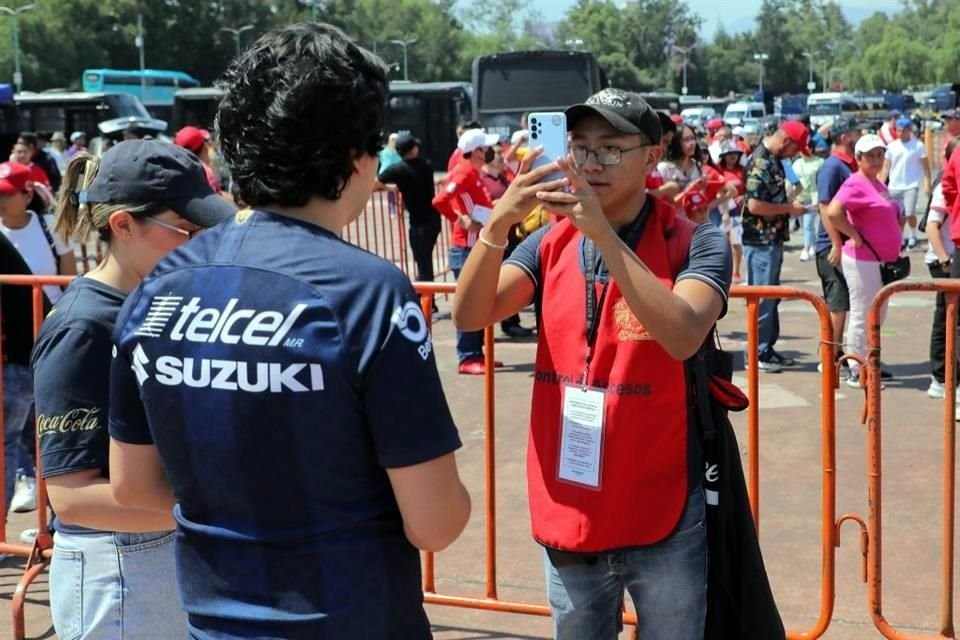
{"x": 633, "y": 41}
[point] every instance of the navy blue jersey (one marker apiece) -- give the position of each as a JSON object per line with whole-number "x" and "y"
{"x": 71, "y": 380}
{"x": 279, "y": 371}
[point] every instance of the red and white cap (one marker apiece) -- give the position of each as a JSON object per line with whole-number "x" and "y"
{"x": 475, "y": 139}
{"x": 15, "y": 178}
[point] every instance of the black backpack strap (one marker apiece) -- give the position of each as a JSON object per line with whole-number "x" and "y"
{"x": 50, "y": 241}
{"x": 701, "y": 391}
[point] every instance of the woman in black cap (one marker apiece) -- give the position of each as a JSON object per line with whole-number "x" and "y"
{"x": 112, "y": 574}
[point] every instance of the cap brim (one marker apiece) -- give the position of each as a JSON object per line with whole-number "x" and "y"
{"x": 206, "y": 210}
{"x": 577, "y": 112}
{"x": 491, "y": 139}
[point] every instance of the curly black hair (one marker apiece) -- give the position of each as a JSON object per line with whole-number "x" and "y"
{"x": 299, "y": 106}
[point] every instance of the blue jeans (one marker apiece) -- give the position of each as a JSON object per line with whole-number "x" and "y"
{"x": 763, "y": 268}
{"x": 17, "y": 408}
{"x": 469, "y": 343}
{"x": 667, "y": 583}
{"x": 113, "y": 586}
{"x": 810, "y": 229}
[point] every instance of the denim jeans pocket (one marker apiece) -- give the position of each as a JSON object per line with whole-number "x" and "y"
{"x": 66, "y": 593}
{"x": 693, "y": 518}
{"x": 151, "y": 600}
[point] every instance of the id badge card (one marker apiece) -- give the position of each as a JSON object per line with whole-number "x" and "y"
{"x": 581, "y": 436}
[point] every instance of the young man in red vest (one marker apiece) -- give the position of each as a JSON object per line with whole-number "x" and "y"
{"x": 627, "y": 293}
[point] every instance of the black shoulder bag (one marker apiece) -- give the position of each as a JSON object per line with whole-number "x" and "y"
{"x": 890, "y": 271}
{"x": 740, "y": 603}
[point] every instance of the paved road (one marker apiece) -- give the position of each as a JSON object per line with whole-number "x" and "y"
{"x": 790, "y": 483}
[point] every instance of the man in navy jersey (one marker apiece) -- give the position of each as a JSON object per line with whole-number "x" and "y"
{"x": 277, "y": 386}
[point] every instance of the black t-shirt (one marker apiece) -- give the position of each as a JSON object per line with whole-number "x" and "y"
{"x": 414, "y": 178}
{"x": 71, "y": 377}
{"x": 16, "y": 305}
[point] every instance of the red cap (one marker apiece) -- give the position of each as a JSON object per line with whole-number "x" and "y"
{"x": 693, "y": 200}
{"x": 192, "y": 138}
{"x": 676, "y": 118}
{"x": 15, "y": 178}
{"x": 716, "y": 123}
{"x": 798, "y": 132}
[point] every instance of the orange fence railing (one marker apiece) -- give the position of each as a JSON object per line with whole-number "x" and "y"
{"x": 39, "y": 554}
{"x": 950, "y": 289}
{"x": 871, "y": 528}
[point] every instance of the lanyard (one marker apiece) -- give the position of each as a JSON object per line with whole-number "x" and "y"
{"x": 594, "y": 307}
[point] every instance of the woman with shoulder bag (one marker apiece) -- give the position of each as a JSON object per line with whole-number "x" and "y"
{"x": 864, "y": 211}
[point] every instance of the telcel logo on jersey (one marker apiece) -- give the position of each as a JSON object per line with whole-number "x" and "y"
{"x": 229, "y": 325}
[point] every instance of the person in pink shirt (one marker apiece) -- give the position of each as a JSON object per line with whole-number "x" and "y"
{"x": 864, "y": 211}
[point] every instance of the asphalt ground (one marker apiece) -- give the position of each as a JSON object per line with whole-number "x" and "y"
{"x": 790, "y": 482}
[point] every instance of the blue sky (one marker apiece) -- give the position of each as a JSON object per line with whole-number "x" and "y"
{"x": 735, "y": 15}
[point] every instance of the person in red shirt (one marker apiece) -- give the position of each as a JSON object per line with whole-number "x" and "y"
{"x": 466, "y": 202}
{"x": 732, "y": 170}
{"x": 712, "y": 127}
{"x": 457, "y": 154}
{"x": 197, "y": 141}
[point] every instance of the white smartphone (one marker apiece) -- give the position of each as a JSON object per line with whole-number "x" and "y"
{"x": 548, "y": 130}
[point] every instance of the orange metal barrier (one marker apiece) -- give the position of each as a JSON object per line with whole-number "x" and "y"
{"x": 950, "y": 289}
{"x": 382, "y": 230}
{"x": 39, "y": 554}
{"x": 830, "y": 524}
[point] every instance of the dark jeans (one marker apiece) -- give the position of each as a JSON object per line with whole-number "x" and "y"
{"x": 763, "y": 268}
{"x": 423, "y": 239}
{"x": 938, "y": 331}
{"x": 469, "y": 343}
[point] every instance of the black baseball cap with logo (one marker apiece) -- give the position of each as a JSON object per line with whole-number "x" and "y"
{"x": 844, "y": 124}
{"x": 624, "y": 110}
{"x": 150, "y": 171}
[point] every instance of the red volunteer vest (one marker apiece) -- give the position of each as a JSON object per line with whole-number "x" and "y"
{"x": 644, "y": 478}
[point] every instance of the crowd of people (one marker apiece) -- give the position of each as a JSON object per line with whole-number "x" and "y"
{"x": 225, "y": 334}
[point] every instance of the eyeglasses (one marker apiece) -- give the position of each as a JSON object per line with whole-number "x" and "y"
{"x": 606, "y": 156}
{"x": 166, "y": 225}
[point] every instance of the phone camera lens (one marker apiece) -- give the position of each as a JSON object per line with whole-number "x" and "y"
{"x": 534, "y": 135}
{"x": 533, "y": 121}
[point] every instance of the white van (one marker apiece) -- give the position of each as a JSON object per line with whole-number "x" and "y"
{"x": 698, "y": 116}
{"x": 737, "y": 112}
{"x": 824, "y": 108}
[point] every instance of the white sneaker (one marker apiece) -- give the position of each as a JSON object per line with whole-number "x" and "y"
{"x": 27, "y": 536}
{"x": 769, "y": 367}
{"x": 804, "y": 255}
{"x": 24, "y": 495}
{"x": 854, "y": 381}
{"x": 936, "y": 390}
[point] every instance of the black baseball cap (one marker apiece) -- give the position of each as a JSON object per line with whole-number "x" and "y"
{"x": 406, "y": 143}
{"x": 150, "y": 171}
{"x": 624, "y": 110}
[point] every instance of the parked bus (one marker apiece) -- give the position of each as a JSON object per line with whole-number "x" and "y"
{"x": 74, "y": 111}
{"x": 663, "y": 101}
{"x": 155, "y": 88}
{"x": 430, "y": 111}
{"x": 195, "y": 107}
{"x": 507, "y": 85}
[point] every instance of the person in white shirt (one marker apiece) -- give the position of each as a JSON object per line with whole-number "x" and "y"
{"x": 905, "y": 165}
{"x": 42, "y": 250}
{"x": 888, "y": 130}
